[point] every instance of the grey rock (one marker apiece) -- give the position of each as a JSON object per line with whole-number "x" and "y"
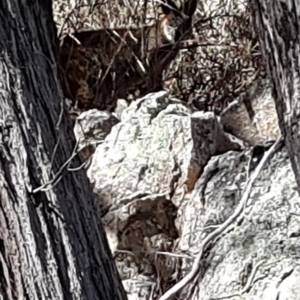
{"x": 145, "y": 169}
{"x": 166, "y": 177}
{"x": 91, "y": 128}
{"x": 258, "y": 124}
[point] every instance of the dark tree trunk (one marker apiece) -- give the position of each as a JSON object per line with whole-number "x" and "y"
{"x": 51, "y": 245}
{"x": 278, "y": 25}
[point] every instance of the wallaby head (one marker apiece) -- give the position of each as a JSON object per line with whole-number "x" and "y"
{"x": 175, "y": 18}
{"x": 100, "y": 66}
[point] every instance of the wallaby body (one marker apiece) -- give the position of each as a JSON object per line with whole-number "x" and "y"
{"x": 100, "y": 66}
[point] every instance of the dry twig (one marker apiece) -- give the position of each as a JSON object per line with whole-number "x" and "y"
{"x": 238, "y": 212}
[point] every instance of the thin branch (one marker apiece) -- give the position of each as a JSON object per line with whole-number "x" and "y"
{"x": 239, "y": 210}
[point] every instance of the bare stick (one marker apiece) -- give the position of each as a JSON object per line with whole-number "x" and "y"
{"x": 239, "y": 210}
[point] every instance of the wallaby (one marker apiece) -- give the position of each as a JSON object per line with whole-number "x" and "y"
{"x": 100, "y": 66}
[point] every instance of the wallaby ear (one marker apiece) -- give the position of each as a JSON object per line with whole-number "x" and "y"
{"x": 189, "y": 7}
{"x": 170, "y": 7}
{"x": 166, "y": 10}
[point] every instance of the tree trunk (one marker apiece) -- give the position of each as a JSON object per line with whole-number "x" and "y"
{"x": 51, "y": 245}
{"x": 278, "y": 24}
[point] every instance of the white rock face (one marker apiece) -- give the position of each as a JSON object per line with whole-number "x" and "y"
{"x": 260, "y": 129}
{"x": 165, "y": 178}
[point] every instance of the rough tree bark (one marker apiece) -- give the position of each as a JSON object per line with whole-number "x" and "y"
{"x": 278, "y": 24}
{"x": 51, "y": 245}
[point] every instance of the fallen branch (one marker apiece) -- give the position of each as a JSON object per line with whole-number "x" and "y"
{"x": 238, "y": 212}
